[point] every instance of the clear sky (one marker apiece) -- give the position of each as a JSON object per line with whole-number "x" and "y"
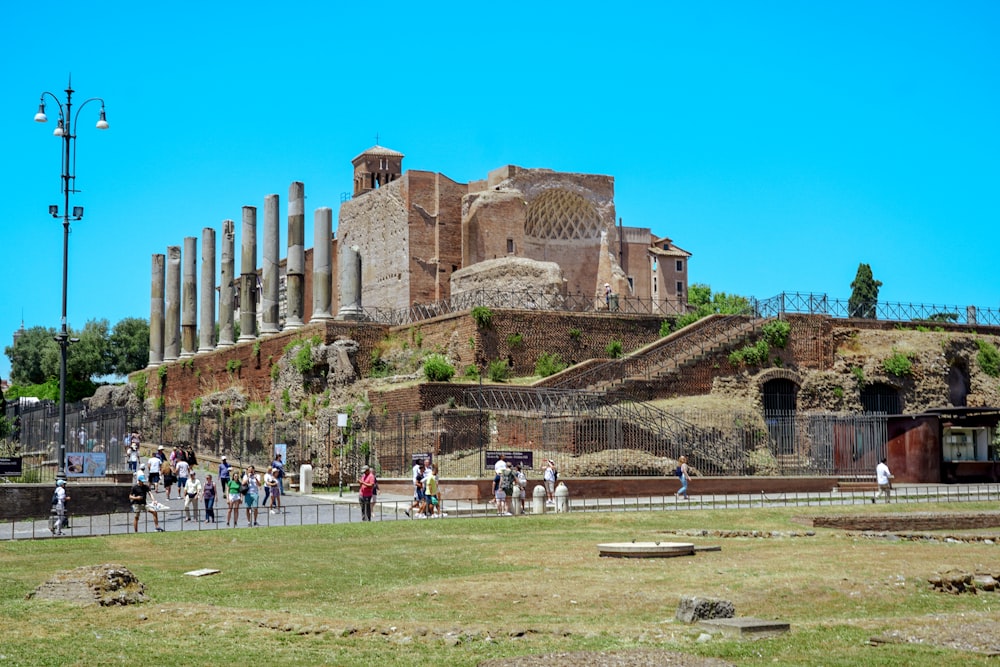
{"x": 781, "y": 143}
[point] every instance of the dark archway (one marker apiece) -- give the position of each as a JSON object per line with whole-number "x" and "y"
{"x": 881, "y": 398}
{"x": 779, "y": 398}
{"x": 958, "y": 384}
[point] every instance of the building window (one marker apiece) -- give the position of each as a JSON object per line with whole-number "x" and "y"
{"x": 383, "y": 163}
{"x": 631, "y": 285}
{"x": 680, "y": 287}
{"x": 680, "y": 265}
{"x": 510, "y": 246}
{"x": 654, "y": 285}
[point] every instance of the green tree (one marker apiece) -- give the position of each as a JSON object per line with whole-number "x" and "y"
{"x": 32, "y": 356}
{"x": 704, "y": 303}
{"x": 864, "y": 294}
{"x": 129, "y": 345}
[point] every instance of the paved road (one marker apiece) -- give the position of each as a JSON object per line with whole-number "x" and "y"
{"x": 326, "y": 509}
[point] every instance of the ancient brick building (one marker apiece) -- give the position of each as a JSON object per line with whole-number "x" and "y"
{"x": 414, "y": 229}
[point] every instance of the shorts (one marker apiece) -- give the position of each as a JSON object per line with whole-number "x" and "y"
{"x": 235, "y": 497}
{"x": 433, "y": 500}
{"x": 251, "y": 500}
{"x": 420, "y": 495}
{"x": 550, "y": 486}
{"x": 154, "y": 478}
{"x": 138, "y": 508}
{"x": 500, "y": 495}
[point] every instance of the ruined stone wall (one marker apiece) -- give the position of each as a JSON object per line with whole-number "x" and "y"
{"x": 377, "y": 222}
{"x": 489, "y": 219}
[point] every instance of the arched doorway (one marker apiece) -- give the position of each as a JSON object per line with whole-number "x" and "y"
{"x": 958, "y": 384}
{"x": 881, "y": 398}
{"x": 779, "y": 399}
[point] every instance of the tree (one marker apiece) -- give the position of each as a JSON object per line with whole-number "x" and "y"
{"x": 129, "y": 345}
{"x": 704, "y": 303}
{"x": 864, "y": 294}
{"x": 31, "y": 356}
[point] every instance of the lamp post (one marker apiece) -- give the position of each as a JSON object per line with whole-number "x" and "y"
{"x": 64, "y": 129}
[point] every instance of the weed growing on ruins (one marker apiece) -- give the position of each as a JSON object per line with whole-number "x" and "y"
{"x": 838, "y": 392}
{"x": 776, "y": 333}
{"x": 483, "y": 316}
{"x": 613, "y": 349}
{"x": 751, "y": 355}
{"x": 859, "y": 374}
{"x": 515, "y": 340}
{"x": 575, "y": 334}
{"x": 437, "y": 368}
{"x": 498, "y": 370}
{"x": 256, "y": 349}
{"x": 988, "y": 358}
{"x": 549, "y": 364}
{"x": 471, "y": 372}
{"x": 139, "y": 382}
{"x": 898, "y": 364}
{"x": 233, "y": 366}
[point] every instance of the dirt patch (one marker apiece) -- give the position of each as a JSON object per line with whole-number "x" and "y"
{"x": 632, "y": 658}
{"x": 105, "y": 585}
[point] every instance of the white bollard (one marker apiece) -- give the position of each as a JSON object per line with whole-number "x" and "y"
{"x": 305, "y": 479}
{"x": 538, "y": 499}
{"x": 562, "y": 498}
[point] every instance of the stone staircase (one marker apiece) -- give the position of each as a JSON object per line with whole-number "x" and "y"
{"x": 659, "y": 359}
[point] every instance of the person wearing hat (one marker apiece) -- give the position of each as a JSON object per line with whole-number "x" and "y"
{"x": 137, "y": 496}
{"x": 59, "y": 498}
{"x": 224, "y": 473}
{"x": 367, "y": 492}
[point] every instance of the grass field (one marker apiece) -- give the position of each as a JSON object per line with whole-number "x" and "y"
{"x": 455, "y": 592}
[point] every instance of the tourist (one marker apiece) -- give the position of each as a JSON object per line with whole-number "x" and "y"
{"x": 275, "y": 490}
{"x": 234, "y": 498}
{"x": 182, "y": 469}
{"x": 208, "y": 493}
{"x": 224, "y": 468}
{"x": 419, "y": 497}
{"x": 192, "y": 491}
{"x": 279, "y": 467}
{"x": 137, "y": 496}
{"x": 268, "y": 483}
{"x": 507, "y": 484}
{"x": 252, "y": 482}
{"x": 500, "y": 465}
{"x": 549, "y": 476}
{"x": 684, "y": 476}
{"x": 521, "y": 484}
{"x": 169, "y": 477}
{"x": 59, "y": 498}
{"x": 155, "y": 463}
{"x": 431, "y": 491}
{"x": 367, "y": 482}
{"x": 884, "y": 480}
{"x": 133, "y": 458}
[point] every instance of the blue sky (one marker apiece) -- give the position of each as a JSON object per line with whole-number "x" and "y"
{"x": 781, "y": 143}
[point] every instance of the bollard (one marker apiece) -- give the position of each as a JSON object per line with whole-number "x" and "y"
{"x": 538, "y": 499}
{"x": 562, "y": 498}
{"x": 305, "y": 479}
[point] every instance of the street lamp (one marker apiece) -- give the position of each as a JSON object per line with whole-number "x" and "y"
{"x": 64, "y": 129}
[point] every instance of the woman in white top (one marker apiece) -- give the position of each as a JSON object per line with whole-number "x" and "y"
{"x": 192, "y": 492}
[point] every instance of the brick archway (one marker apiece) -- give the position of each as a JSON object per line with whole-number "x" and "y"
{"x": 777, "y": 374}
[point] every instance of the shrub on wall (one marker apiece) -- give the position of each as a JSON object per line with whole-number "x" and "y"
{"x": 898, "y": 364}
{"x": 776, "y": 333}
{"x": 498, "y": 370}
{"x": 483, "y": 316}
{"x": 751, "y": 355}
{"x": 437, "y": 368}
{"x": 515, "y": 340}
{"x": 613, "y": 349}
{"x": 988, "y": 358}
{"x": 549, "y": 364}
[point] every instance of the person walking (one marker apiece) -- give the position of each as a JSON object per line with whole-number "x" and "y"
{"x": 224, "y": 469}
{"x": 883, "y": 477}
{"x": 58, "y": 516}
{"x": 272, "y": 486}
{"x": 208, "y": 493}
{"x": 233, "y": 499}
{"x": 192, "y": 492}
{"x": 154, "y": 464}
{"x": 432, "y": 491}
{"x": 252, "y": 482}
{"x": 549, "y": 476}
{"x": 685, "y": 477}
{"x": 137, "y": 496}
{"x": 279, "y": 474}
{"x": 367, "y": 482}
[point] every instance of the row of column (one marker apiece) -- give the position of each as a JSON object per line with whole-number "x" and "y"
{"x": 174, "y": 297}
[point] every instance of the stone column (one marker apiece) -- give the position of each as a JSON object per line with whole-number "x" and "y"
{"x": 295, "y": 269}
{"x": 189, "y": 303}
{"x": 156, "y": 313}
{"x": 322, "y": 280}
{"x": 349, "y": 279}
{"x": 227, "y": 288}
{"x": 206, "y": 342}
{"x": 269, "y": 302}
{"x": 248, "y": 275}
{"x": 172, "y": 326}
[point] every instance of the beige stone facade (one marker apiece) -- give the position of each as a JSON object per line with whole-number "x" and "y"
{"x": 414, "y": 229}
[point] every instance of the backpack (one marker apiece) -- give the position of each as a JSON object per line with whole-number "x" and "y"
{"x": 55, "y": 498}
{"x": 678, "y": 471}
{"x": 507, "y": 481}
{"x": 244, "y": 488}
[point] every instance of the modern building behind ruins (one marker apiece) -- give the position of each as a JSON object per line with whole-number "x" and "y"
{"x": 415, "y": 230}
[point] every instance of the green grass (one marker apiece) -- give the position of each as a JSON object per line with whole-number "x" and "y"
{"x": 390, "y": 593}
